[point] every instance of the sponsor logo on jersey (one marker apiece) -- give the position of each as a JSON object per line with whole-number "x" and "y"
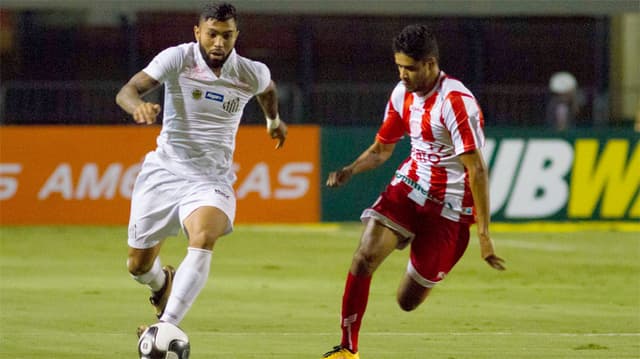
{"x": 232, "y": 106}
{"x": 413, "y": 184}
{"x": 196, "y": 94}
{"x": 416, "y": 109}
{"x": 214, "y": 96}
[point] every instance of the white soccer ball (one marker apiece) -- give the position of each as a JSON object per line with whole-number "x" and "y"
{"x": 163, "y": 341}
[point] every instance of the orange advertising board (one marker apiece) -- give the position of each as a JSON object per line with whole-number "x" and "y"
{"x": 85, "y": 175}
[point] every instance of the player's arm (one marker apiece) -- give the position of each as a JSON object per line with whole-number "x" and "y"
{"x": 129, "y": 98}
{"x": 372, "y": 157}
{"x": 479, "y": 183}
{"x": 268, "y": 101}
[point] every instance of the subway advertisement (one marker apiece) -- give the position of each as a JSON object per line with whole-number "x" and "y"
{"x": 590, "y": 175}
{"x": 534, "y": 175}
{"x": 85, "y": 174}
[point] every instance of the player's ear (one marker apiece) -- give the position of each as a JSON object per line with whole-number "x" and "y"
{"x": 429, "y": 62}
{"x": 196, "y": 32}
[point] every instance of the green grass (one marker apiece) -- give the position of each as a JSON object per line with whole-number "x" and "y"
{"x": 275, "y": 292}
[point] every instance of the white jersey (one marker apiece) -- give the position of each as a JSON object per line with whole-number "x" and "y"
{"x": 202, "y": 111}
{"x": 443, "y": 124}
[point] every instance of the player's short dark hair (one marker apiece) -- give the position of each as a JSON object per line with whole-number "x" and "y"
{"x": 222, "y": 11}
{"x": 416, "y": 41}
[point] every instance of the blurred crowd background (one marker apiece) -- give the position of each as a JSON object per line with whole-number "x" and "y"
{"x": 63, "y": 61}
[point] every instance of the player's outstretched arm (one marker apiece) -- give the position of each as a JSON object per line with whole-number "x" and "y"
{"x": 479, "y": 182}
{"x": 129, "y": 98}
{"x": 268, "y": 101}
{"x": 372, "y": 157}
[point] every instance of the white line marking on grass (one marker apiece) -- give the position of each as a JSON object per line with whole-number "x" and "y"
{"x": 374, "y": 334}
{"x": 428, "y": 334}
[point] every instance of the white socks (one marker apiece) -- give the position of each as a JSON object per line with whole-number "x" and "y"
{"x": 190, "y": 278}
{"x": 154, "y": 278}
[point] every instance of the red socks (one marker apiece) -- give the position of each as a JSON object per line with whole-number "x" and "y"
{"x": 354, "y": 303}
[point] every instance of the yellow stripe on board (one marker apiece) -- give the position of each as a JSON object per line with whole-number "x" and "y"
{"x": 566, "y": 226}
{"x": 603, "y": 226}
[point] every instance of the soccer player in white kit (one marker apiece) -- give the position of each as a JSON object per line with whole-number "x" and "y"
{"x": 435, "y": 194}
{"x": 187, "y": 181}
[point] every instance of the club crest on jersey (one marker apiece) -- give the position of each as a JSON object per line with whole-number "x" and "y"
{"x": 232, "y": 106}
{"x": 196, "y": 94}
{"x": 214, "y": 96}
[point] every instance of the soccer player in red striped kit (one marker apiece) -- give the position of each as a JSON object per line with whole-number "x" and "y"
{"x": 435, "y": 194}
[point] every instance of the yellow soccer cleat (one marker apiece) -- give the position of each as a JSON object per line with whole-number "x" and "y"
{"x": 339, "y": 352}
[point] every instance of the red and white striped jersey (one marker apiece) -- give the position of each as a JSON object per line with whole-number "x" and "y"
{"x": 443, "y": 124}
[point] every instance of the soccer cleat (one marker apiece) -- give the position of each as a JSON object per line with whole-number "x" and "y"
{"x": 339, "y": 352}
{"x": 141, "y": 329}
{"x": 159, "y": 299}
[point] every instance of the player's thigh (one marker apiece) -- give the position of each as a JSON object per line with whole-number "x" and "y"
{"x": 204, "y": 226}
{"x": 436, "y": 249}
{"x": 376, "y": 243}
{"x": 154, "y": 207}
{"x": 207, "y": 213}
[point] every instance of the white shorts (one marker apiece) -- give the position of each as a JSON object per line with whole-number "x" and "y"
{"x": 161, "y": 201}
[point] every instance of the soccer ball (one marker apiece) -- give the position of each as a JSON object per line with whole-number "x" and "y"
{"x": 163, "y": 341}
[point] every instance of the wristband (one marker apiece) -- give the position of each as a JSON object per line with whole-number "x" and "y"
{"x": 273, "y": 124}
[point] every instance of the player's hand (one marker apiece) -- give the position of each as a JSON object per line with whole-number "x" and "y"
{"x": 279, "y": 133}
{"x": 146, "y": 113}
{"x": 488, "y": 252}
{"x": 339, "y": 177}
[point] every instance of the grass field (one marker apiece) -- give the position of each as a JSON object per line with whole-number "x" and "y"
{"x": 275, "y": 292}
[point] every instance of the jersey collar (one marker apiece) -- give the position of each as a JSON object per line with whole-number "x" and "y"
{"x": 436, "y": 86}
{"x": 227, "y": 67}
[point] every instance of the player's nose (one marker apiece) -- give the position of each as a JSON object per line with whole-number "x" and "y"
{"x": 218, "y": 42}
{"x": 404, "y": 76}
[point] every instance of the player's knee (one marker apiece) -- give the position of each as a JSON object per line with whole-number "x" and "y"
{"x": 203, "y": 239}
{"x": 407, "y": 305}
{"x": 136, "y": 267}
{"x": 365, "y": 262}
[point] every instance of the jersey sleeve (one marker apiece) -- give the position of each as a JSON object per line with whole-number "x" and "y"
{"x": 165, "y": 63}
{"x": 463, "y": 118}
{"x": 261, "y": 77}
{"x": 392, "y": 128}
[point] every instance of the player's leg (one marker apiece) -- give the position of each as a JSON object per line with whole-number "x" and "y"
{"x": 203, "y": 227}
{"x": 434, "y": 251}
{"x": 145, "y": 268}
{"x": 387, "y": 227}
{"x": 376, "y": 243}
{"x": 411, "y": 293}
{"x": 153, "y": 217}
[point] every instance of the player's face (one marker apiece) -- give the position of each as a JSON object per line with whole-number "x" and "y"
{"x": 216, "y": 39}
{"x": 417, "y": 75}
